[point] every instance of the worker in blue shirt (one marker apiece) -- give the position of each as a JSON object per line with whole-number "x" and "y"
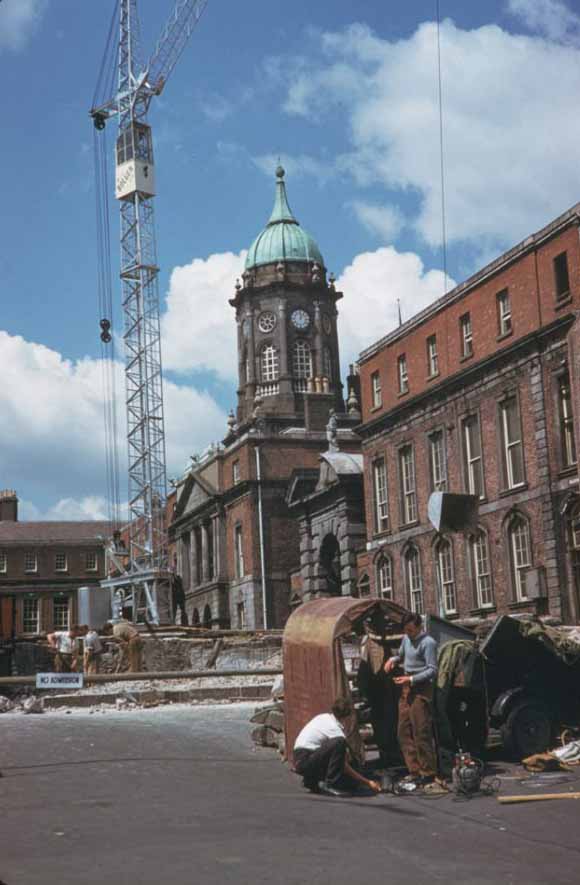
{"x": 417, "y": 656}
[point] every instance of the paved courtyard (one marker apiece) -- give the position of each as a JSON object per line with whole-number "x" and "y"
{"x": 179, "y": 795}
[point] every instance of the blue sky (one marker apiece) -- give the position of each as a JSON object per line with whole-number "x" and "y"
{"x": 346, "y": 94}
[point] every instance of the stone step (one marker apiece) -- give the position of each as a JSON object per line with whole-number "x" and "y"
{"x": 151, "y": 697}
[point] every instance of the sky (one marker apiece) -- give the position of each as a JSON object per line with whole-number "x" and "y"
{"x": 346, "y": 95}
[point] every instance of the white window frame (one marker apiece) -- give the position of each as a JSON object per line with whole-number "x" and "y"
{"x": 364, "y": 587}
{"x": 61, "y": 623}
{"x": 236, "y": 472}
{"x": 239, "y": 551}
{"x": 438, "y": 461}
{"x": 403, "y": 374}
{"x": 381, "y": 495}
{"x": 94, "y": 557}
{"x": 511, "y": 446}
{"x": 473, "y": 460}
{"x": 376, "y": 390}
{"x": 446, "y": 575}
{"x": 482, "y": 570}
{"x": 432, "y": 356}
{"x": 301, "y": 365}
{"x": 327, "y": 363}
{"x": 504, "y": 312}
{"x": 3, "y": 562}
{"x": 414, "y": 580}
{"x": 269, "y": 364}
{"x": 34, "y": 603}
{"x": 61, "y": 558}
{"x": 521, "y": 555}
{"x": 385, "y": 578}
{"x": 466, "y": 335}
{"x": 30, "y": 561}
{"x": 569, "y": 457}
{"x": 408, "y": 483}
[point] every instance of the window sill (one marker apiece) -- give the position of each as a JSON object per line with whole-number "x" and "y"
{"x": 504, "y": 335}
{"x": 521, "y": 604}
{"x": 402, "y": 393}
{"x": 563, "y": 302}
{"x": 505, "y": 493}
{"x": 382, "y": 534}
{"x": 432, "y": 377}
{"x": 408, "y": 525}
{"x": 484, "y": 610}
{"x": 570, "y": 470}
{"x": 465, "y": 357}
{"x": 451, "y": 616}
{"x": 375, "y": 408}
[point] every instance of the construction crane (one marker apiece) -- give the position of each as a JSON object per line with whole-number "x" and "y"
{"x": 143, "y": 576}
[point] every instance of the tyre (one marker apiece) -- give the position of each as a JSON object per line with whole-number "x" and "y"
{"x": 527, "y": 730}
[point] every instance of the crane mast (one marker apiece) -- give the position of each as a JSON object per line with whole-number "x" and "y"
{"x": 145, "y": 581}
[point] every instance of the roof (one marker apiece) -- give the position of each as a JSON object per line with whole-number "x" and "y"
{"x": 282, "y": 239}
{"x": 51, "y": 532}
{"x": 343, "y": 463}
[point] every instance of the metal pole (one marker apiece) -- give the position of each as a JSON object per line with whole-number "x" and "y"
{"x": 142, "y": 677}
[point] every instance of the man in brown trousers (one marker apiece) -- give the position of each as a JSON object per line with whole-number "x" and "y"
{"x": 131, "y": 645}
{"x": 418, "y": 657}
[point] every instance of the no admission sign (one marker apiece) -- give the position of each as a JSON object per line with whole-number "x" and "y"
{"x": 59, "y": 680}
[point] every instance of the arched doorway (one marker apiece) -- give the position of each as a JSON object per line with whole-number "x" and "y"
{"x": 195, "y": 618}
{"x": 330, "y": 566}
{"x": 207, "y": 617}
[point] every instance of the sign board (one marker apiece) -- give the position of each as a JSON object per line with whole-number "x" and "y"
{"x": 59, "y": 680}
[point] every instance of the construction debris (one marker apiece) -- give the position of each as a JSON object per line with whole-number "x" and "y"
{"x": 269, "y": 731}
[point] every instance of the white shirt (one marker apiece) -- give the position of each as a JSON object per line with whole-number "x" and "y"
{"x": 320, "y": 729}
{"x": 92, "y": 642}
{"x": 65, "y": 643}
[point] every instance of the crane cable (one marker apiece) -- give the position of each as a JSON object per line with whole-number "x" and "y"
{"x": 105, "y": 308}
{"x": 441, "y": 148}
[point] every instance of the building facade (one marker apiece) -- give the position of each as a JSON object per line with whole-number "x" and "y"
{"x": 480, "y": 393}
{"x": 237, "y": 541}
{"x": 42, "y": 565}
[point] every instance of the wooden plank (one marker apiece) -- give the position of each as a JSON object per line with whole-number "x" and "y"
{"x": 536, "y": 797}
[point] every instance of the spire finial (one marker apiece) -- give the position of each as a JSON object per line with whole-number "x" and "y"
{"x": 280, "y": 171}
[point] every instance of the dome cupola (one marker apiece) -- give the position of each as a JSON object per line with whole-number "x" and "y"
{"x": 282, "y": 240}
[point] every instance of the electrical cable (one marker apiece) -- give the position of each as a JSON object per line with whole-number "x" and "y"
{"x": 441, "y": 150}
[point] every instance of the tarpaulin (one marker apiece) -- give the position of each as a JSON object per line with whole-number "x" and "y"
{"x": 314, "y": 671}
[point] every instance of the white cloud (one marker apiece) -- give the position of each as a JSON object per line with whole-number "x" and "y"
{"x": 19, "y": 20}
{"x": 550, "y": 17}
{"x": 52, "y": 436}
{"x": 372, "y": 284}
{"x": 92, "y": 507}
{"x": 198, "y": 327}
{"x": 383, "y": 221}
{"x": 506, "y": 171}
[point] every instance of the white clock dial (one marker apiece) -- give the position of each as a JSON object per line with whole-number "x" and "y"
{"x": 300, "y": 319}
{"x": 267, "y": 321}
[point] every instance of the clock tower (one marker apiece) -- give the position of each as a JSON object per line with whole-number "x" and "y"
{"x": 286, "y": 314}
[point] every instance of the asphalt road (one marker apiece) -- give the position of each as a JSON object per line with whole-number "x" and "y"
{"x": 178, "y": 795}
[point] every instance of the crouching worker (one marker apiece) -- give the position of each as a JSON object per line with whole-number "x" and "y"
{"x": 321, "y": 753}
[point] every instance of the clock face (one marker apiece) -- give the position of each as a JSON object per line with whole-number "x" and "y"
{"x": 300, "y": 319}
{"x": 326, "y": 324}
{"x": 266, "y": 321}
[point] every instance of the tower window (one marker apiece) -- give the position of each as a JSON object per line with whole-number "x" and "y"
{"x": 301, "y": 365}
{"x": 270, "y": 367}
{"x": 327, "y": 363}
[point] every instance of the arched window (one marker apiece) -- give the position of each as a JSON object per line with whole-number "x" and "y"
{"x": 269, "y": 364}
{"x": 327, "y": 363}
{"x": 481, "y": 569}
{"x": 301, "y": 365}
{"x": 207, "y": 616}
{"x": 385, "y": 577}
{"x": 446, "y": 576}
{"x": 195, "y": 618}
{"x": 520, "y": 554}
{"x": 414, "y": 580}
{"x": 364, "y": 587}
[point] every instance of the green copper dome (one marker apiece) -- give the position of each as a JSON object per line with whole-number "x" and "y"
{"x": 282, "y": 239}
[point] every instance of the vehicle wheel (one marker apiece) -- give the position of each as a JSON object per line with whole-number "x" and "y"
{"x": 527, "y": 730}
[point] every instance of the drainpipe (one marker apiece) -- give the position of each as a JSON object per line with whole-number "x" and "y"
{"x": 261, "y": 535}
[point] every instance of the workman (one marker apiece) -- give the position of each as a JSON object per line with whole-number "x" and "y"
{"x": 93, "y": 649}
{"x": 131, "y": 645}
{"x": 66, "y": 647}
{"x": 375, "y": 687}
{"x": 321, "y": 754}
{"x": 418, "y": 657}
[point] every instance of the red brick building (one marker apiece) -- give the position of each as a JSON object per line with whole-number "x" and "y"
{"x": 42, "y": 565}
{"x": 237, "y": 540}
{"x": 480, "y": 393}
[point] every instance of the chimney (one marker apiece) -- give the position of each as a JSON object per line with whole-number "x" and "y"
{"x": 8, "y": 505}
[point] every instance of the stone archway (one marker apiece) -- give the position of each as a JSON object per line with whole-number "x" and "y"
{"x": 207, "y": 617}
{"x": 195, "y": 621}
{"x": 330, "y": 566}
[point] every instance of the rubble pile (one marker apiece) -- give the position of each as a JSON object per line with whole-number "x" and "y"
{"x": 269, "y": 730}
